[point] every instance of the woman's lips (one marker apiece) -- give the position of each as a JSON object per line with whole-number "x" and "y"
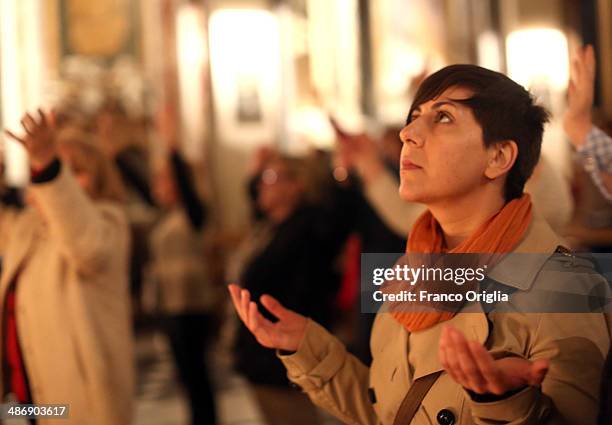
{"x": 409, "y": 165}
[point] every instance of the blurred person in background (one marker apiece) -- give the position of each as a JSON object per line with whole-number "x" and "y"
{"x": 122, "y": 139}
{"x": 595, "y": 149}
{"x": 592, "y": 144}
{"x": 289, "y": 252}
{"x": 187, "y": 297}
{"x": 66, "y": 327}
{"x": 472, "y": 139}
{"x": 257, "y": 165}
{"x": 348, "y": 210}
{"x": 364, "y": 168}
{"x": 375, "y": 165}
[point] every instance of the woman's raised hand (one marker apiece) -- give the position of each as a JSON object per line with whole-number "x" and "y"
{"x": 285, "y": 334}
{"x": 577, "y": 120}
{"x": 39, "y": 139}
{"x": 360, "y": 152}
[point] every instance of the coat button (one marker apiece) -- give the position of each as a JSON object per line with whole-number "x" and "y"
{"x": 445, "y": 417}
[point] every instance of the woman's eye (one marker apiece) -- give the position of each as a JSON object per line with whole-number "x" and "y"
{"x": 443, "y": 117}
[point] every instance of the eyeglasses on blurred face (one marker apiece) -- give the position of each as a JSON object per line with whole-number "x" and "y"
{"x": 271, "y": 176}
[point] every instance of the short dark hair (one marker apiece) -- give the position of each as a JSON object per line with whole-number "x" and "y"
{"x": 504, "y": 110}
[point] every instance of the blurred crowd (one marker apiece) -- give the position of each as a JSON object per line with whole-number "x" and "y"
{"x": 108, "y": 239}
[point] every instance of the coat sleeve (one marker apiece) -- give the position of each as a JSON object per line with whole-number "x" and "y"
{"x": 8, "y": 217}
{"x": 333, "y": 379}
{"x": 575, "y": 345}
{"x": 87, "y": 233}
{"x": 397, "y": 214}
{"x": 596, "y": 154}
{"x": 194, "y": 207}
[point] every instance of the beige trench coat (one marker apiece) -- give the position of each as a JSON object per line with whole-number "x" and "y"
{"x": 72, "y": 308}
{"x": 575, "y": 343}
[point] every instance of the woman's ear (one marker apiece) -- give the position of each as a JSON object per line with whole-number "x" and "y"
{"x": 502, "y": 156}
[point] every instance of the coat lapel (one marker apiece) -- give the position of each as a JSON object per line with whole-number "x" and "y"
{"x": 423, "y": 357}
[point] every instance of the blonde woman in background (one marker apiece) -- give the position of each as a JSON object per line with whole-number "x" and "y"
{"x": 66, "y": 331}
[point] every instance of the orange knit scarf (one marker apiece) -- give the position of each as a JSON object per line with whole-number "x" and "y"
{"x": 499, "y": 234}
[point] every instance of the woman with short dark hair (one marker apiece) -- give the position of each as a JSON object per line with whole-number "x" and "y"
{"x": 471, "y": 141}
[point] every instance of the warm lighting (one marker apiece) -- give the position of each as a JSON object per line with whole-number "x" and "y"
{"x": 538, "y": 60}
{"x": 23, "y": 75}
{"x": 333, "y": 31}
{"x": 538, "y": 57}
{"x": 310, "y": 124}
{"x": 190, "y": 35}
{"x": 487, "y": 45}
{"x": 191, "y": 51}
{"x": 246, "y": 74}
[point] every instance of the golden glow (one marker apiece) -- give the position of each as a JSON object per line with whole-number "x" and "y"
{"x": 23, "y": 76}
{"x": 190, "y": 35}
{"x": 246, "y": 74}
{"x": 191, "y": 52}
{"x": 311, "y": 124}
{"x": 538, "y": 56}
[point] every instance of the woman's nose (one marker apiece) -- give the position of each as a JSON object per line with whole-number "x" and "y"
{"x": 413, "y": 133}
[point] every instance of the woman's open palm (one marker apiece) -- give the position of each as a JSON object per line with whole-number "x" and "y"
{"x": 285, "y": 334}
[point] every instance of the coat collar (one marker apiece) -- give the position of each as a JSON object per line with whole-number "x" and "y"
{"x": 520, "y": 269}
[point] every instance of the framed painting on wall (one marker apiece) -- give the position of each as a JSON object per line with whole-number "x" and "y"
{"x": 102, "y": 29}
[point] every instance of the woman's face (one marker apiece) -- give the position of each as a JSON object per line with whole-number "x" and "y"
{"x": 80, "y": 171}
{"x": 277, "y": 188}
{"x": 443, "y": 155}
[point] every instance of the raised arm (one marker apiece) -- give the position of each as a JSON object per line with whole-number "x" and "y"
{"x": 194, "y": 207}
{"x": 168, "y": 129}
{"x": 593, "y": 145}
{"x": 381, "y": 188}
{"x": 382, "y": 191}
{"x": 88, "y": 233}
